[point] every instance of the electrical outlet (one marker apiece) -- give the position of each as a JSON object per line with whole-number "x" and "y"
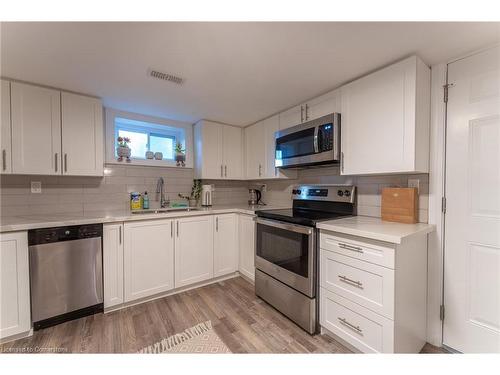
{"x": 36, "y": 187}
{"x": 415, "y": 183}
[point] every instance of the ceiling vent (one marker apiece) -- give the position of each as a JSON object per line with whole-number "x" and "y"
{"x": 166, "y": 76}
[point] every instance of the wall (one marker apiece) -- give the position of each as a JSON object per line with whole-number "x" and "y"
{"x": 79, "y": 195}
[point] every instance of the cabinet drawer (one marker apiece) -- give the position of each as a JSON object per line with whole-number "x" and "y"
{"x": 364, "y": 283}
{"x": 362, "y": 328}
{"x": 369, "y": 250}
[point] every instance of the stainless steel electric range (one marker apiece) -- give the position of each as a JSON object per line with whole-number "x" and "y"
{"x": 286, "y": 250}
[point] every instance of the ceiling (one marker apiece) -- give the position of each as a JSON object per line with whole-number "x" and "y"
{"x": 236, "y": 73}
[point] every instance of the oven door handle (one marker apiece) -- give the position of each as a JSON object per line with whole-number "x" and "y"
{"x": 286, "y": 226}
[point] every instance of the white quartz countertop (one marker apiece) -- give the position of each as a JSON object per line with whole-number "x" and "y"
{"x": 376, "y": 229}
{"x": 26, "y": 222}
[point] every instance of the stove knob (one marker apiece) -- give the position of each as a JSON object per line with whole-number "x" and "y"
{"x": 299, "y": 191}
{"x": 340, "y": 193}
{"x": 294, "y": 191}
{"x": 347, "y": 193}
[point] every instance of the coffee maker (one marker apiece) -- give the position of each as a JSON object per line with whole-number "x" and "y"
{"x": 206, "y": 195}
{"x": 255, "y": 197}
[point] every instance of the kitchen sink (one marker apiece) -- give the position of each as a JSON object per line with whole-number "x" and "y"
{"x": 165, "y": 210}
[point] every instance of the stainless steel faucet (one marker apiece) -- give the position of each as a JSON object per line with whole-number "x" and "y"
{"x": 160, "y": 189}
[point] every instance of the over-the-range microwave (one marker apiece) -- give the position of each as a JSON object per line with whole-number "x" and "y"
{"x": 314, "y": 142}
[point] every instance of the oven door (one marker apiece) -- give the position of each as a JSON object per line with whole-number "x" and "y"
{"x": 287, "y": 253}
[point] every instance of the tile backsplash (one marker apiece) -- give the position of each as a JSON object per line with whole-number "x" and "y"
{"x": 76, "y": 195}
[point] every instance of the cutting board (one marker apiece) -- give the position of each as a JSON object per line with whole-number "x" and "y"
{"x": 400, "y": 205}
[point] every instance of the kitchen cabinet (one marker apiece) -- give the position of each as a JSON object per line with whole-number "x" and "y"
{"x": 82, "y": 135}
{"x": 148, "y": 258}
{"x": 291, "y": 117}
{"x": 36, "y": 130}
{"x": 218, "y": 151}
{"x": 6, "y": 133}
{"x": 113, "y": 264}
{"x": 247, "y": 246}
{"x": 194, "y": 249}
{"x": 225, "y": 244}
{"x": 385, "y": 120}
{"x": 15, "y": 315}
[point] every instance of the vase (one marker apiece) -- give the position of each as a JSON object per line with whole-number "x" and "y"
{"x": 180, "y": 158}
{"x": 123, "y": 152}
{"x": 158, "y": 155}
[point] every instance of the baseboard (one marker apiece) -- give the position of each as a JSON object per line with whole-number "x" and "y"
{"x": 325, "y": 331}
{"x": 17, "y": 337}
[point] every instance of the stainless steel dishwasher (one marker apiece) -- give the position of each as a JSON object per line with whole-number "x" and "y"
{"x": 65, "y": 273}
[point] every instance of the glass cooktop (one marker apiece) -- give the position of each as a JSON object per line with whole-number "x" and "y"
{"x": 300, "y": 216}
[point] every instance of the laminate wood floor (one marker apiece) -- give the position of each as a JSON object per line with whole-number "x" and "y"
{"x": 243, "y": 321}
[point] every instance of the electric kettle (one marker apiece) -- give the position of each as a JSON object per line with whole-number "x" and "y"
{"x": 206, "y": 195}
{"x": 255, "y": 197}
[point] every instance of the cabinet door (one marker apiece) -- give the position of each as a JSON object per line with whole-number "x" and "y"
{"x": 232, "y": 150}
{"x": 36, "y": 130}
{"x": 82, "y": 135}
{"x": 148, "y": 258}
{"x": 323, "y": 105}
{"x": 271, "y": 126}
{"x": 14, "y": 284}
{"x": 208, "y": 150}
{"x": 255, "y": 148}
{"x": 6, "y": 130}
{"x": 247, "y": 246}
{"x": 194, "y": 250}
{"x": 113, "y": 264}
{"x": 379, "y": 127}
{"x": 225, "y": 244}
{"x": 293, "y": 116}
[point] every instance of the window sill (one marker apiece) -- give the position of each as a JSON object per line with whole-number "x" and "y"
{"x": 150, "y": 163}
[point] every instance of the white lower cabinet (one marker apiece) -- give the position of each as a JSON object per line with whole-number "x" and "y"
{"x": 15, "y": 316}
{"x": 194, "y": 251}
{"x": 247, "y": 246}
{"x": 225, "y": 244}
{"x": 373, "y": 293}
{"x": 112, "y": 240}
{"x": 148, "y": 258}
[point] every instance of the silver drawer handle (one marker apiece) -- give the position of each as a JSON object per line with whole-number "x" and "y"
{"x": 347, "y": 280}
{"x": 350, "y": 247}
{"x": 350, "y": 325}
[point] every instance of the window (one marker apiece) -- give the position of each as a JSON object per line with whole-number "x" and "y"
{"x": 145, "y": 136}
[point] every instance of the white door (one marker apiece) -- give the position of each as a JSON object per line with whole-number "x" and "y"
{"x": 472, "y": 220}
{"x": 225, "y": 244}
{"x": 323, "y": 105}
{"x": 6, "y": 129}
{"x": 291, "y": 117}
{"x": 255, "y": 151}
{"x": 148, "y": 258}
{"x": 247, "y": 246}
{"x": 36, "y": 130}
{"x": 15, "y": 315}
{"x": 112, "y": 243}
{"x": 82, "y": 135}
{"x": 232, "y": 150}
{"x": 194, "y": 250}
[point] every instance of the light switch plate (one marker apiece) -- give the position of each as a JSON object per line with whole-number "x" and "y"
{"x": 415, "y": 183}
{"x": 36, "y": 187}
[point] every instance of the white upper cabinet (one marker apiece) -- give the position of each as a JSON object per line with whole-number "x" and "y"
{"x": 218, "y": 151}
{"x": 226, "y": 244}
{"x": 323, "y": 105}
{"x": 6, "y": 133}
{"x": 291, "y": 117}
{"x": 385, "y": 120}
{"x": 36, "y": 130}
{"x": 255, "y": 149}
{"x": 82, "y": 135}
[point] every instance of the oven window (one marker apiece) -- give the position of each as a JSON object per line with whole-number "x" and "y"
{"x": 296, "y": 144}
{"x": 283, "y": 248}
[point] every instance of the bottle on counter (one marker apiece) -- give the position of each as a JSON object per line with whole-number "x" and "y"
{"x": 145, "y": 201}
{"x": 135, "y": 201}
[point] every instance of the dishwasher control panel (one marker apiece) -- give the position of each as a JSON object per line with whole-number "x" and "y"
{"x": 69, "y": 233}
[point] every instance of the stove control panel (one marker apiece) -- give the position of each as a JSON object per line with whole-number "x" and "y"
{"x": 332, "y": 193}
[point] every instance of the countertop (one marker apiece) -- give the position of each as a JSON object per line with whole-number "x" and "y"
{"x": 26, "y": 222}
{"x": 375, "y": 228}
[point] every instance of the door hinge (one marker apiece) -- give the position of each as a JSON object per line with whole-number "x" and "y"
{"x": 443, "y": 205}
{"x": 441, "y": 312}
{"x": 445, "y": 93}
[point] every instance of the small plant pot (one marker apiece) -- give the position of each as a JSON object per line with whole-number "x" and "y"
{"x": 158, "y": 155}
{"x": 150, "y": 155}
{"x": 193, "y": 202}
{"x": 123, "y": 152}
{"x": 180, "y": 158}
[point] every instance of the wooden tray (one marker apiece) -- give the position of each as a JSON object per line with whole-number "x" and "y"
{"x": 400, "y": 205}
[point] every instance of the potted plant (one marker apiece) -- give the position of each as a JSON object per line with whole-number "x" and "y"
{"x": 180, "y": 156}
{"x": 194, "y": 198}
{"x": 122, "y": 150}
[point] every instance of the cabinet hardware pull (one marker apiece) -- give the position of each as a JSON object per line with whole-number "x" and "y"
{"x": 221, "y": 171}
{"x": 307, "y": 112}
{"x": 217, "y": 224}
{"x": 65, "y": 162}
{"x": 225, "y": 171}
{"x": 301, "y": 114}
{"x": 172, "y": 229}
{"x": 4, "y": 160}
{"x": 177, "y": 228}
{"x": 55, "y": 161}
{"x": 350, "y": 325}
{"x": 120, "y": 233}
{"x": 347, "y": 280}
{"x": 260, "y": 170}
{"x": 342, "y": 161}
{"x": 350, "y": 247}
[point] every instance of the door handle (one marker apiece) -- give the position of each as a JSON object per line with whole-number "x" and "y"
{"x": 225, "y": 171}
{"x": 120, "y": 234}
{"x": 342, "y": 161}
{"x": 217, "y": 224}
{"x": 260, "y": 170}
{"x": 55, "y": 161}
{"x": 350, "y": 325}
{"x": 307, "y": 112}
{"x": 172, "y": 229}
{"x": 349, "y": 281}
{"x": 65, "y": 162}
{"x": 301, "y": 114}
{"x": 177, "y": 228}
{"x": 221, "y": 174}
{"x": 4, "y": 160}
{"x": 350, "y": 247}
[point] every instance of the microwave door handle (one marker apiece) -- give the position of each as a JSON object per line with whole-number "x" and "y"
{"x": 316, "y": 146}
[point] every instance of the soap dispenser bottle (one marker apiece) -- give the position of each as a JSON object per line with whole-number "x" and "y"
{"x": 145, "y": 201}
